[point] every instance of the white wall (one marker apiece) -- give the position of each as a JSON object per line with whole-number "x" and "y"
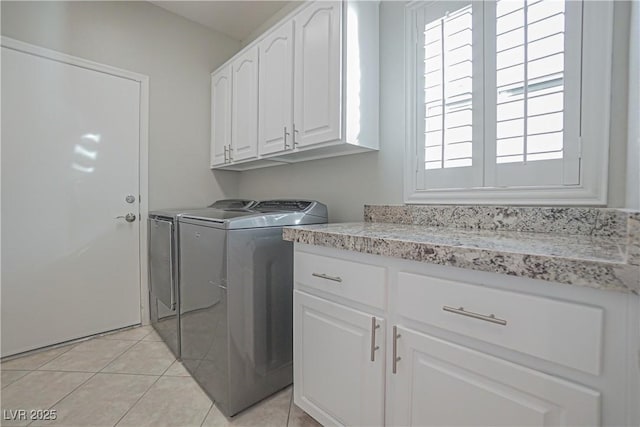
{"x": 346, "y": 183}
{"x": 177, "y": 55}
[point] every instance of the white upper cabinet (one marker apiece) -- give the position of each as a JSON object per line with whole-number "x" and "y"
{"x": 315, "y": 91}
{"x": 244, "y": 113}
{"x": 276, "y": 91}
{"x": 220, "y": 115}
{"x": 317, "y": 73}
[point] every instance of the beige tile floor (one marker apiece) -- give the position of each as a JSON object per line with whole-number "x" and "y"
{"x": 127, "y": 378}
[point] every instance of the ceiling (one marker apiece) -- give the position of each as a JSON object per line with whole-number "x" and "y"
{"x": 236, "y": 19}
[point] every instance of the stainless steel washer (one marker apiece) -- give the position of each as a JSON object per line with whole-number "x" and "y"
{"x": 236, "y": 299}
{"x": 163, "y": 267}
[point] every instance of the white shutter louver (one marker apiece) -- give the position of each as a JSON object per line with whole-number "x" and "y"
{"x": 448, "y": 83}
{"x": 529, "y": 80}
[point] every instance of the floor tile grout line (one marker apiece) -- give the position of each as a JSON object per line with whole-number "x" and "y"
{"x": 117, "y": 357}
{"x": 129, "y": 349}
{"x": 39, "y": 369}
{"x": 97, "y": 372}
{"x": 72, "y": 344}
{"x": 67, "y": 395}
{"x": 93, "y": 374}
{"x": 290, "y": 405}
{"x": 75, "y": 388}
{"x": 207, "y": 414}
{"x": 2, "y": 387}
{"x": 41, "y": 351}
{"x": 143, "y": 394}
{"x": 71, "y": 347}
{"x": 149, "y": 333}
{"x": 102, "y": 371}
{"x": 136, "y": 402}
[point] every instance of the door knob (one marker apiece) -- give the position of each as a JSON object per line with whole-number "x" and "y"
{"x": 128, "y": 217}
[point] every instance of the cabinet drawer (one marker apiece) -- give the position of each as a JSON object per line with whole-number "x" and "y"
{"x": 363, "y": 283}
{"x": 565, "y": 333}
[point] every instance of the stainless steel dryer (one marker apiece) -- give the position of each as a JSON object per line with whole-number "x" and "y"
{"x": 236, "y": 299}
{"x": 163, "y": 265}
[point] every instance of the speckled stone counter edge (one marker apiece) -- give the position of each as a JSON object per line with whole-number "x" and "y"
{"x": 599, "y": 222}
{"x": 621, "y": 225}
{"x": 599, "y": 275}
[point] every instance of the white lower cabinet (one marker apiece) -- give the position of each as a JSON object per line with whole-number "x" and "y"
{"x": 462, "y": 348}
{"x": 439, "y": 383}
{"x": 339, "y": 362}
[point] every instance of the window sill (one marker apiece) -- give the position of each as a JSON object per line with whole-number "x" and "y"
{"x": 566, "y": 196}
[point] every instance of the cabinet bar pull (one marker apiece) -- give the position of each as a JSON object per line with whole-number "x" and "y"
{"x": 225, "y": 153}
{"x": 286, "y": 146}
{"x": 327, "y": 277}
{"x": 490, "y": 318}
{"x": 230, "y": 158}
{"x": 295, "y": 132}
{"x": 374, "y": 347}
{"x": 396, "y": 359}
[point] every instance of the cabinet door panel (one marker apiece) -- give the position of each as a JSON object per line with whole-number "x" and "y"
{"x": 317, "y": 73}
{"x": 276, "y": 91}
{"x": 335, "y": 380}
{"x": 220, "y": 115}
{"x": 440, "y": 383}
{"x": 244, "y": 134}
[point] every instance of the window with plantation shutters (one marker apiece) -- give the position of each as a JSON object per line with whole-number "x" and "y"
{"x": 449, "y": 106}
{"x": 496, "y": 95}
{"x": 533, "y": 69}
{"x": 529, "y": 80}
{"x": 448, "y": 62}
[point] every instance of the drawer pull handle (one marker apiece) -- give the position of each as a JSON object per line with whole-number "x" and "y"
{"x": 395, "y": 357}
{"x": 327, "y": 277}
{"x": 490, "y": 318}
{"x": 374, "y": 347}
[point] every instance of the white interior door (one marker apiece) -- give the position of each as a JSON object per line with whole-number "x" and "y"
{"x": 70, "y": 156}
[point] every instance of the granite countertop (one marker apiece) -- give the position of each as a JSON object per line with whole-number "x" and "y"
{"x": 599, "y": 260}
